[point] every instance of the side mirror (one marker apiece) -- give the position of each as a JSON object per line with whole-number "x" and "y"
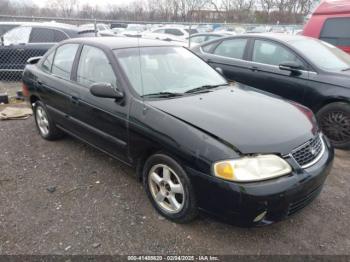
{"x": 219, "y": 70}
{"x": 105, "y": 90}
{"x": 292, "y": 66}
{"x": 34, "y": 60}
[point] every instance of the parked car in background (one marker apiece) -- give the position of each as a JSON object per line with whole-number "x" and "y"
{"x": 164, "y": 111}
{"x": 102, "y": 29}
{"x": 30, "y": 40}
{"x": 118, "y": 25}
{"x": 133, "y": 30}
{"x": 330, "y": 22}
{"x": 170, "y": 33}
{"x": 232, "y": 30}
{"x": 306, "y": 70}
{"x": 204, "y": 28}
{"x": 199, "y": 38}
{"x": 7, "y": 26}
{"x": 257, "y": 29}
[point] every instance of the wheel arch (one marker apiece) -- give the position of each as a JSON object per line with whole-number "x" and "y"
{"x": 332, "y": 100}
{"x": 33, "y": 99}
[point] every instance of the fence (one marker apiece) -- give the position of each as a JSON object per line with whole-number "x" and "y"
{"x": 19, "y": 43}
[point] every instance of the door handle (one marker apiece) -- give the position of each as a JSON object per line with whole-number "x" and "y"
{"x": 74, "y": 100}
{"x": 254, "y": 68}
{"x": 39, "y": 82}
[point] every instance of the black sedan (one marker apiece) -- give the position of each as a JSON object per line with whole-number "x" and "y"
{"x": 196, "y": 142}
{"x": 302, "y": 69}
{"x": 32, "y": 39}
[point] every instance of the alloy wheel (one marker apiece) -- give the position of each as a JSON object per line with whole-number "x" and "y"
{"x": 166, "y": 188}
{"x": 336, "y": 125}
{"x": 42, "y": 121}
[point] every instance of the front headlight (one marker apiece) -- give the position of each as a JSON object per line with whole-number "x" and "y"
{"x": 255, "y": 168}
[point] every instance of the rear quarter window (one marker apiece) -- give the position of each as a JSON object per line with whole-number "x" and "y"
{"x": 42, "y": 35}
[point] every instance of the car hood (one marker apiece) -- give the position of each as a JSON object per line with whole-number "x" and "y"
{"x": 248, "y": 120}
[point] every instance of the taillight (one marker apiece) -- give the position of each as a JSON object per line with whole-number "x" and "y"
{"x": 25, "y": 89}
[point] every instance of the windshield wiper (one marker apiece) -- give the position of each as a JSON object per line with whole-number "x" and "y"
{"x": 345, "y": 69}
{"x": 204, "y": 88}
{"x": 163, "y": 94}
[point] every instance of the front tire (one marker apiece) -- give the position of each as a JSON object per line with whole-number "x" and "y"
{"x": 334, "y": 120}
{"x": 169, "y": 189}
{"x": 46, "y": 126}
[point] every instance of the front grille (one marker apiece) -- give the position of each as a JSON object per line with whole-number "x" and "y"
{"x": 309, "y": 152}
{"x": 304, "y": 201}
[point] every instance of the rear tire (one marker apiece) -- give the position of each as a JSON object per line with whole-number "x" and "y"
{"x": 334, "y": 120}
{"x": 169, "y": 189}
{"x": 45, "y": 124}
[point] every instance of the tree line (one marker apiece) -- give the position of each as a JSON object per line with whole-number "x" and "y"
{"x": 230, "y": 11}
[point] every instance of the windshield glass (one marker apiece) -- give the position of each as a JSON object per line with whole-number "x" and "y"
{"x": 166, "y": 69}
{"x": 322, "y": 54}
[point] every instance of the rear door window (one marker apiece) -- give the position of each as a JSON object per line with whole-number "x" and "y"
{"x": 336, "y": 31}
{"x": 63, "y": 61}
{"x": 232, "y": 48}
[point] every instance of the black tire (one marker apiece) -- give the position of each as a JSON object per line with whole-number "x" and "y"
{"x": 189, "y": 209}
{"x": 334, "y": 120}
{"x": 53, "y": 133}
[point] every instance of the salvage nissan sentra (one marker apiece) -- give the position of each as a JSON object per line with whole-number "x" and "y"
{"x": 196, "y": 141}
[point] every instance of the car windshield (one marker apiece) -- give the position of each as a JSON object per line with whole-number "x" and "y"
{"x": 322, "y": 54}
{"x": 153, "y": 70}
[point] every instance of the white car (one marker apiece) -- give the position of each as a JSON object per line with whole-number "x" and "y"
{"x": 134, "y": 30}
{"x": 102, "y": 29}
{"x": 169, "y": 33}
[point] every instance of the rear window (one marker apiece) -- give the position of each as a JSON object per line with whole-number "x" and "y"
{"x": 336, "y": 31}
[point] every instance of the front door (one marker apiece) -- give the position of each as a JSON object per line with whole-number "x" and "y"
{"x": 100, "y": 121}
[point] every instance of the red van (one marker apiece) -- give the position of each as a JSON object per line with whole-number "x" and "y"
{"x": 330, "y": 22}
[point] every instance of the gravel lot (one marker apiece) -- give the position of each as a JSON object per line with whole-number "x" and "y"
{"x": 99, "y": 207}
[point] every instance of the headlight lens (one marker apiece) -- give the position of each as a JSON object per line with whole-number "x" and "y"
{"x": 248, "y": 169}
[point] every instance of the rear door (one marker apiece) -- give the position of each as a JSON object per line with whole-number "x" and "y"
{"x": 266, "y": 56}
{"x": 100, "y": 121}
{"x": 55, "y": 86}
{"x": 229, "y": 55}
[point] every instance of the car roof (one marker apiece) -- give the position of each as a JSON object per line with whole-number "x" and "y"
{"x": 13, "y": 23}
{"x": 119, "y": 42}
{"x": 332, "y": 7}
{"x": 50, "y": 25}
{"x": 210, "y": 34}
{"x": 273, "y": 36}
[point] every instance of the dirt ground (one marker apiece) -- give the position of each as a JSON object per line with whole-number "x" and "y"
{"x": 99, "y": 207}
